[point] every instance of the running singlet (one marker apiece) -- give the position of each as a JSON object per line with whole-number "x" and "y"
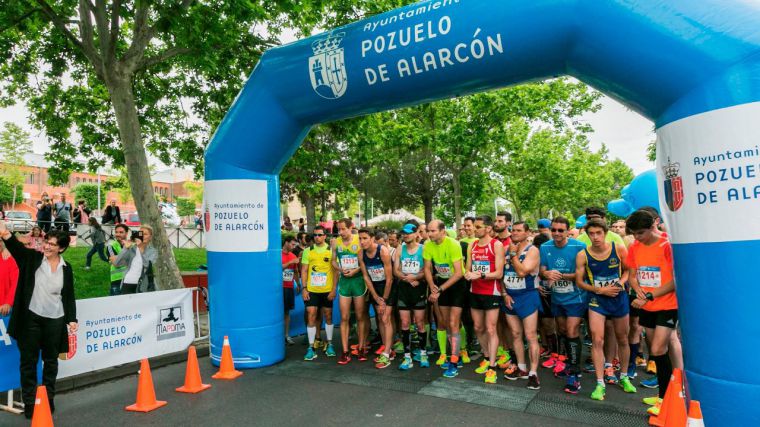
{"x": 610, "y": 237}
{"x": 411, "y": 263}
{"x": 374, "y": 266}
{"x": 347, "y": 254}
{"x": 320, "y": 273}
{"x": 604, "y": 272}
{"x": 442, "y": 256}
{"x": 514, "y": 283}
{"x": 563, "y": 260}
{"x": 654, "y": 268}
{"x": 289, "y": 272}
{"x": 484, "y": 261}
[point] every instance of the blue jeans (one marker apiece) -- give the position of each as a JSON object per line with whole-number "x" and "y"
{"x": 100, "y": 249}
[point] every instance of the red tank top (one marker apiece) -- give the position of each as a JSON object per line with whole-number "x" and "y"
{"x": 484, "y": 260}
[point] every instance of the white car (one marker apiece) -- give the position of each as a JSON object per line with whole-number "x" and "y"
{"x": 19, "y": 221}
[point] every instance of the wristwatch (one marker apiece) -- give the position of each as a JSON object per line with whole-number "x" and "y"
{"x": 512, "y": 254}
{"x": 649, "y": 296}
{"x": 482, "y": 275}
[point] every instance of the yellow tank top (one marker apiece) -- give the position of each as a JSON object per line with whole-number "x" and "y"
{"x": 348, "y": 254}
{"x": 320, "y": 273}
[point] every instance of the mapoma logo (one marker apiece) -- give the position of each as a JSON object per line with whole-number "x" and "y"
{"x": 673, "y": 186}
{"x": 327, "y": 68}
{"x": 170, "y": 324}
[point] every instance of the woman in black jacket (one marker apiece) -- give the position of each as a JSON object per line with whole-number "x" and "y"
{"x": 44, "y": 306}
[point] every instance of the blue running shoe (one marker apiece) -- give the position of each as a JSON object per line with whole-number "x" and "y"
{"x": 424, "y": 363}
{"x": 445, "y": 365}
{"x": 310, "y": 354}
{"x": 573, "y": 385}
{"x": 416, "y": 354}
{"x": 406, "y": 364}
{"x": 632, "y": 371}
{"x": 330, "y": 352}
{"x": 451, "y": 372}
{"x": 460, "y": 364}
{"x": 650, "y": 383}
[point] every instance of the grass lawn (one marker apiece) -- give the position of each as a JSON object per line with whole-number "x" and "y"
{"x": 95, "y": 282}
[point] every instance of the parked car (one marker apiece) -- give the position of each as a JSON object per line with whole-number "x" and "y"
{"x": 19, "y": 221}
{"x": 132, "y": 219}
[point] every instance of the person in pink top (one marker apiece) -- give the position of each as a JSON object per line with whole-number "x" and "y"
{"x": 8, "y": 280}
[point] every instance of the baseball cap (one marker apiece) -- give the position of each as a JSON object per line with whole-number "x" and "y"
{"x": 544, "y": 223}
{"x": 409, "y": 229}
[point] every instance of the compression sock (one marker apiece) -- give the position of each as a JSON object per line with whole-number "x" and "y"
{"x": 407, "y": 338}
{"x": 441, "y": 334}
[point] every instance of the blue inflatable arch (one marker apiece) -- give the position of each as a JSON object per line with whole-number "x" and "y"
{"x": 693, "y": 67}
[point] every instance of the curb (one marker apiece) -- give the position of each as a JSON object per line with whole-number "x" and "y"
{"x": 112, "y": 373}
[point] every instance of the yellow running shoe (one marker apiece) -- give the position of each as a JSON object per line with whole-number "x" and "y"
{"x": 464, "y": 356}
{"x": 490, "y": 376}
{"x": 482, "y": 368}
{"x": 503, "y": 361}
{"x": 651, "y": 401}
{"x": 654, "y": 410}
{"x": 651, "y": 368}
{"x": 441, "y": 360}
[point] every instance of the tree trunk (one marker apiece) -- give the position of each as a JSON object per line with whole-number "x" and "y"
{"x": 311, "y": 211}
{"x": 122, "y": 97}
{"x": 427, "y": 201}
{"x": 455, "y": 175}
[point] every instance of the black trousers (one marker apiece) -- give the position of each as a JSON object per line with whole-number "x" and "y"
{"x": 40, "y": 334}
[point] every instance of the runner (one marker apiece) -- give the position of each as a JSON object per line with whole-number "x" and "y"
{"x": 443, "y": 271}
{"x": 375, "y": 262}
{"x": 467, "y": 331}
{"x": 569, "y": 303}
{"x": 600, "y": 270}
{"x": 650, "y": 260}
{"x": 351, "y": 289}
{"x": 289, "y": 277}
{"x": 319, "y": 292}
{"x": 599, "y": 213}
{"x": 522, "y": 303}
{"x": 411, "y": 294}
{"x": 485, "y": 268}
{"x": 547, "y": 325}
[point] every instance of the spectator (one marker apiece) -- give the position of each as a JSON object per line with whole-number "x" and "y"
{"x": 301, "y": 225}
{"x": 112, "y": 214}
{"x": 8, "y": 279}
{"x": 62, "y": 214}
{"x": 36, "y": 239}
{"x": 198, "y": 220}
{"x": 138, "y": 256}
{"x": 98, "y": 243}
{"x": 45, "y": 212}
{"x": 43, "y": 307}
{"x": 82, "y": 213}
{"x": 114, "y": 248}
{"x": 287, "y": 225}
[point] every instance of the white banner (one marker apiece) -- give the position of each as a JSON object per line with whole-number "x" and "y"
{"x": 235, "y": 215}
{"x": 126, "y": 328}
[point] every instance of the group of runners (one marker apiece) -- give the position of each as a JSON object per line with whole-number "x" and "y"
{"x": 520, "y": 295}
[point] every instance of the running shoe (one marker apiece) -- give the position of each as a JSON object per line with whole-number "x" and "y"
{"x": 641, "y": 362}
{"x": 632, "y": 372}
{"x": 482, "y": 368}
{"x": 445, "y": 365}
{"x": 589, "y": 367}
{"x": 651, "y": 368}
{"x": 598, "y": 393}
{"x": 452, "y": 371}
{"x": 573, "y": 386}
{"x": 416, "y": 354}
{"x": 654, "y": 410}
{"x": 651, "y": 401}
{"x": 560, "y": 366}
{"x": 544, "y": 353}
{"x": 380, "y": 350}
{"x": 616, "y": 364}
{"x": 344, "y": 358}
{"x": 503, "y": 361}
{"x": 382, "y": 362}
{"x": 364, "y": 355}
{"x": 407, "y": 364}
{"x": 393, "y": 355}
{"x": 317, "y": 344}
{"x": 460, "y": 364}
{"x": 289, "y": 341}
{"x": 464, "y": 357}
{"x": 533, "y": 383}
{"x": 330, "y": 351}
{"x": 549, "y": 363}
{"x": 355, "y": 349}
{"x": 490, "y": 377}
{"x": 625, "y": 384}
{"x": 424, "y": 363}
{"x": 650, "y": 383}
{"x": 441, "y": 360}
{"x": 609, "y": 375}
{"x": 310, "y": 354}
{"x": 398, "y": 346}
{"x": 517, "y": 374}
{"x": 587, "y": 341}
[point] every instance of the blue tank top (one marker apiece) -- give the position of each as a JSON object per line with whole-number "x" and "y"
{"x": 411, "y": 264}
{"x": 603, "y": 272}
{"x": 374, "y": 267}
{"x": 514, "y": 283}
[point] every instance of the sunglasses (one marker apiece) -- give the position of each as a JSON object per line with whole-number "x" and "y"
{"x": 318, "y": 235}
{"x": 558, "y": 230}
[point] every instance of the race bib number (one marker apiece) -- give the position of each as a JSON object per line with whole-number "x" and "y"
{"x": 563, "y": 286}
{"x": 318, "y": 279}
{"x": 287, "y": 275}
{"x": 376, "y": 273}
{"x": 481, "y": 266}
{"x": 349, "y": 262}
{"x": 513, "y": 281}
{"x": 443, "y": 270}
{"x": 410, "y": 266}
{"x": 649, "y": 277}
{"x": 603, "y": 282}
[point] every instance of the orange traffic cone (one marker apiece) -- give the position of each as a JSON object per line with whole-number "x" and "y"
{"x": 695, "y": 415}
{"x": 42, "y": 416}
{"x": 673, "y": 408}
{"x": 146, "y": 394}
{"x": 193, "y": 383}
{"x": 227, "y": 367}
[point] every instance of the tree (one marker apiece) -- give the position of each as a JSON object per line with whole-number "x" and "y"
{"x": 195, "y": 192}
{"x": 89, "y": 193}
{"x": 185, "y": 206}
{"x": 7, "y": 194}
{"x": 14, "y": 145}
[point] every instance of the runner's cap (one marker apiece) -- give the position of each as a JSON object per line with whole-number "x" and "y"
{"x": 409, "y": 229}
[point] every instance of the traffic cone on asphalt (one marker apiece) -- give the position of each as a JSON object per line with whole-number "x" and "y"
{"x": 695, "y": 415}
{"x": 673, "y": 408}
{"x": 226, "y": 367}
{"x": 42, "y": 416}
{"x": 146, "y": 394}
{"x": 193, "y": 383}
